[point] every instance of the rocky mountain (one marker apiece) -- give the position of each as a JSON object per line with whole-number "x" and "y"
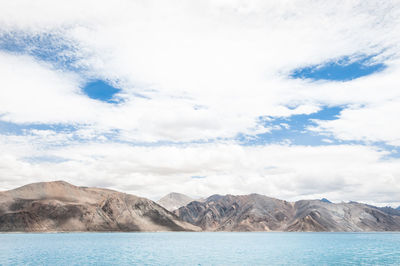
{"x": 174, "y": 201}
{"x": 60, "y": 206}
{"x": 260, "y": 213}
{"x": 237, "y": 213}
{"x": 389, "y": 210}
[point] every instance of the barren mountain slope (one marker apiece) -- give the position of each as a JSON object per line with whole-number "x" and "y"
{"x": 314, "y": 215}
{"x": 60, "y": 206}
{"x": 260, "y": 213}
{"x": 238, "y": 213}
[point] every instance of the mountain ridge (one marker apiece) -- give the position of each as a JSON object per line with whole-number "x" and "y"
{"x": 256, "y": 212}
{"x": 60, "y": 206}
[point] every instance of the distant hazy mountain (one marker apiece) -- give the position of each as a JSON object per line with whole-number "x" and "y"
{"x": 174, "y": 201}
{"x": 325, "y": 200}
{"x": 260, "y": 213}
{"x": 59, "y": 206}
{"x": 389, "y": 210}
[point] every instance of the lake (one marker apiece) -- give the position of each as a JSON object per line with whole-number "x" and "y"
{"x": 200, "y": 248}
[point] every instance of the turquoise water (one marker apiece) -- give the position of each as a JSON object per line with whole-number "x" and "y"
{"x": 200, "y": 249}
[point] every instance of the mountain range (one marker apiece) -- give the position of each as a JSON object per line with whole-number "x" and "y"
{"x": 60, "y": 206}
{"x": 260, "y": 213}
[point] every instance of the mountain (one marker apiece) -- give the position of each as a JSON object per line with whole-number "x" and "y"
{"x": 325, "y": 200}
{"x": 389, "y": 210}
{"x": 174, "y": 201}
{"x": 260, "y": 213}
{"x": 60, "y": 206}
{"x": 237, "y": 213}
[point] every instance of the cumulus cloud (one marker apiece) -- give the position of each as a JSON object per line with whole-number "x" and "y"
{"x": 199, "y": 72}
{"x": 372, "y": 123}
{"x": 231, "y": 58}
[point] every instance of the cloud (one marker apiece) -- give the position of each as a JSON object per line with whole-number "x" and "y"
{"x": 32, "y": 92}
{"x": 198, "y": 74}
{"x": 338, "y": 172}
{"x": 231, "y": 58}
{"x": 372, "y": 123}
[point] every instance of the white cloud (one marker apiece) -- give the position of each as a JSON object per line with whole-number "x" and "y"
{"x": 230, "y": 57}
{"x": 32, "y": 92}
{"x": 341, "y": 172}
{"x": 372, "y": 123}
{"x": 206, "y": 70}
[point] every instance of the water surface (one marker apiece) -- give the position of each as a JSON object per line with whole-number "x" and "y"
{"x": 200, "y": 249}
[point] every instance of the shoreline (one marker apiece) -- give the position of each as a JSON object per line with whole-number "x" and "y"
{"x": 223, "y": 232}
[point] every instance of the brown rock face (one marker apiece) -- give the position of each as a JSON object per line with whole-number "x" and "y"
{"x": 59, "y": 206}
{"x": 260, "y": 213}
{"x": 238, "y": 213}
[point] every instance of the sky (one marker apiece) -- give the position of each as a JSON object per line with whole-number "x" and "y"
{"x": 290, "y": 99}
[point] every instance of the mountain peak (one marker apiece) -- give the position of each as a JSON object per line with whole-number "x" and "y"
{"x": 174, "y": 200}
{"x": 326, "y": 200}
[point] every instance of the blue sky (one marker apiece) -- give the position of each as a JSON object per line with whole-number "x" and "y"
{"x": 100, "y": 90}
{"x": 342, "y": 69}
{"x": 223, "y": 97}
{"x": 45, "y": 47}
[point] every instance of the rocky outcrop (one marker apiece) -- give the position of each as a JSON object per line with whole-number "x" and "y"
{"x": 174, "y": 201}
{"x": 59, "y": 206}
{"x": 260, "y": 213}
